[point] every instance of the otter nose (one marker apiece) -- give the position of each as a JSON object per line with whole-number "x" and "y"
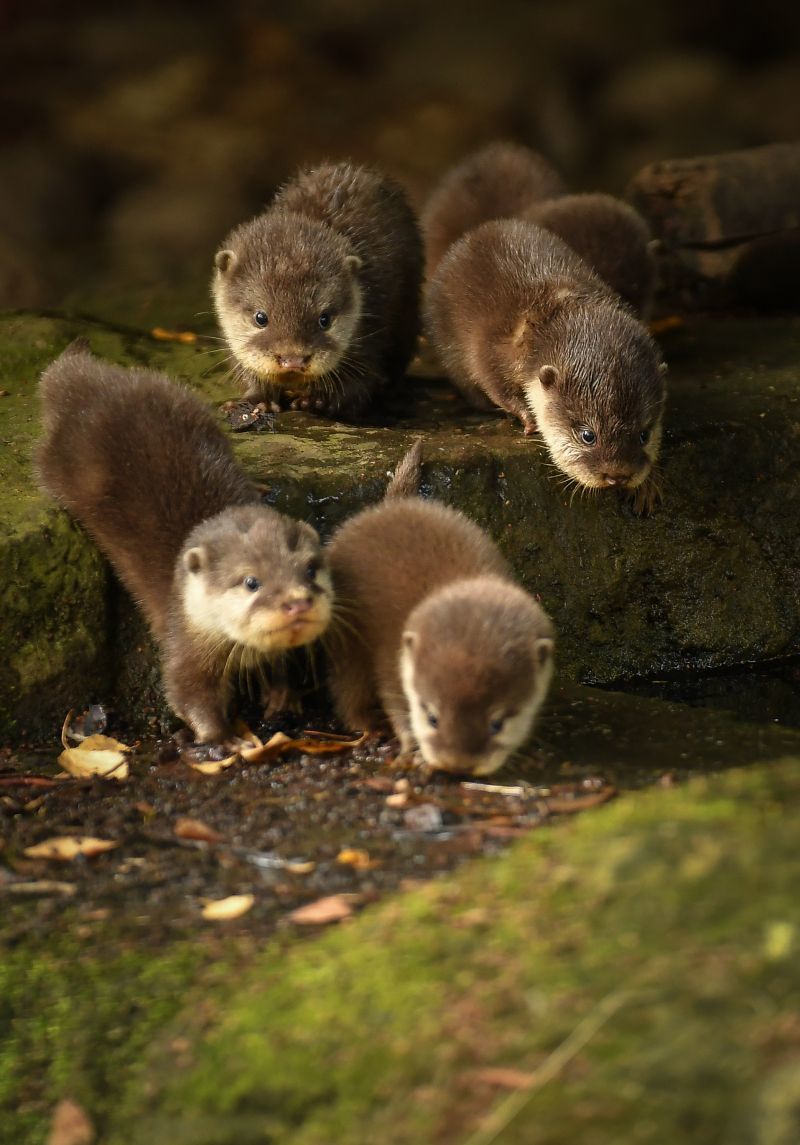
{"x": 293, "y": 361}
{"x": 616, "y": 475}
{"x": 297, "y": 606}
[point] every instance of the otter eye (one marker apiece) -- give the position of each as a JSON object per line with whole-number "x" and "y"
{"x": 496, "y": 726}
{"x": 433, "y": 719}
{"x": 588, "y": 436}
{"x": 312, "y": 568}
{"x": 260, "y": 318}
{"x": 644, "y": 436}
{"x": 251, "y": 583}
{"x": 325, "y": 320}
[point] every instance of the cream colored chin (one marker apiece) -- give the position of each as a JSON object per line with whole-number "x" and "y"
{"x": 231, "y": 616}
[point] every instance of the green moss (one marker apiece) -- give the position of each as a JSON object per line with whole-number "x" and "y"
{"x": 672, "y": 912}
{"x": 74, "y": 1020}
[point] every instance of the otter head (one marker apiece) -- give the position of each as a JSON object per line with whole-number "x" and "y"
{"x": 287, "y": 296}
{"x": 595, "y": 384}
{"x": 252, "y": 577}
{"x": 475, "y": 663}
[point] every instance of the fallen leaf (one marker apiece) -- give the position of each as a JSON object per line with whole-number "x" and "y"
{"x": 661, "y": 325}
{"x": 70, "y": 1125}
{"x": 333, "y": 908}
{"x": 222, "y": 910}
{"x": 398, "y": 799}
{"x": 379, "y": 783}
{"x": 98, "y": 755}
{"x": 359, "y": 860}
{"x": 214, "y": 766}
{"x": 560, "y": 806}
{"x": 186, "y": 828}
{"x": 300, "y": 868}
{"x": 41, "y": 887}
{"x": 274, "y": 746}
{"x": 505, "y": 1078}
{"x": 66, "y": 847}
{"x": 162, "y": 335}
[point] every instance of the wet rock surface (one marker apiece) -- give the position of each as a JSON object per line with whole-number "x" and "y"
{"x": 710, "y": 580}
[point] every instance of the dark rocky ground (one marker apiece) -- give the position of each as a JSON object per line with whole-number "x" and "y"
{"x": 507, "y": 970}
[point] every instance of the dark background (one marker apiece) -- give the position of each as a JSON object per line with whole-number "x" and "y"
{"x": 132, "y": 139}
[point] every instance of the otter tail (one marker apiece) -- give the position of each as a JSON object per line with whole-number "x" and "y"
{"x": 407, "y": 475}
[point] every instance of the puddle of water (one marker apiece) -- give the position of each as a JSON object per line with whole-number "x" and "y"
{"x": 765, "y": 694}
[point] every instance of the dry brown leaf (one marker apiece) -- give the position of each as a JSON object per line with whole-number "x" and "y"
{"x": 214, "y": 766}
{"x": 41, "y": 887}
{"x": 66, "y": 847}
{"x": 186, "y": 828}
{"x": 97, "y": 755}
{"x": 162, "y": 335}
{"x": 222, "y": 910}
{"x": 359, "y": 860}
{"x": 300, "y": 868}
{"x": 274, "y": 746}
{"x": 333, "y": 908}
{"x": 560, "y": 806}
{"x": 505, "y": 1077}
{"x": 70, "y": 1125}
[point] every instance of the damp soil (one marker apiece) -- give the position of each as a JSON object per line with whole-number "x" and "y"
{"x": 358, "y": 823}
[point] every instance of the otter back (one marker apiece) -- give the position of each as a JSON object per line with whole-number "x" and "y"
{"x": 139, "y": 461}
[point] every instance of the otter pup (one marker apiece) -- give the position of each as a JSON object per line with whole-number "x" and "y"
{"x": 509, "y": 181}
{"x": 521, "y": 322}
{"x": 499, "y": 181}
{"x": 318, "y": 297}
{"x": 610, "y": 236}
{"x": 434, "y": 632}
{"x": 224, "y": 582}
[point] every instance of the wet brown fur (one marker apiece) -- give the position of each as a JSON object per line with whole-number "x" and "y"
{"x": 410, "y": 570}
{"x": 610, "y": 236}
{"x": 336, "y": 239}
{"x": 143, "y": 466}
{"x": 497, "y": 182}
{"x": 520, "y": 322}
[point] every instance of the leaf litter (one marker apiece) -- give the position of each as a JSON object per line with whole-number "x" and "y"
{"x": 306, "y": 822}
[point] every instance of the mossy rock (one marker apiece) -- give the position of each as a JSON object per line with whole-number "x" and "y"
{"x": 637, "y": 966}
{"x": 709, "y": 581}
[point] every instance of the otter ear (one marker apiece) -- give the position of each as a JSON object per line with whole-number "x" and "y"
{"x": 543, "y": 650}
{"x": 663, "y": 367}
{"x": 225, "y": 260}
{"x": 409, "y": 641}
{"x": 353, "y": 263}
{"x": 194, "y": 559}
{"x": 548, "y": 376}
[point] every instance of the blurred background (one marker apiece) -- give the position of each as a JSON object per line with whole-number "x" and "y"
{"x": 133, "y": 137}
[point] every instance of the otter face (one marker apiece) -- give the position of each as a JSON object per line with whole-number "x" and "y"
{"x": 475, "y": 669}
{"x": 258, "y": 580}
{"x": 287, "y": 297}
{"x": 598, "y": 404}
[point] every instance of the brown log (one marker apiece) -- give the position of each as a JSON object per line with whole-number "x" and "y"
{"x": 727, "y": 227}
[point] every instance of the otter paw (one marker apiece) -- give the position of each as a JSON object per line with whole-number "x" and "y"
{"x": 245, "y": 415}
{"x": 645, "y": 498}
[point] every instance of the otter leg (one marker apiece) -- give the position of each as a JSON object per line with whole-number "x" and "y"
{"x": 645, "y": 497}
{"x": 199, "y": 697}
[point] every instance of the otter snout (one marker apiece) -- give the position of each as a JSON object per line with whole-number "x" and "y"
{"x": 296, "y": 608}
{"x": 617, "y": 474}
{"x": 294, "y": 363}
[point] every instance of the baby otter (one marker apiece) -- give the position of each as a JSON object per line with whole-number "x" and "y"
{"x": 497, "y": 182}
{"x": 610, "y": 236}
{"x": 434, "y": 633}
{"x": 318, "y": 297}
{"x": 522, "y": 323}
{"x": 509, "y": 181}
{"x": 224, "y": 582}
